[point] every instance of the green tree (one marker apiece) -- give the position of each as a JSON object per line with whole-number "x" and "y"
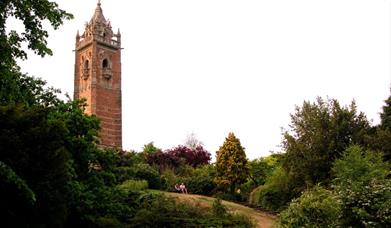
{"x": 16, "y": 196}
{"x": 363, "y": 185}
{"x": 381, "y": 139}
{"x": 261, "y": 168}
{"x": 385, "y": 116}
{"x": 33, "y": 14}
{"x": 149, "y": 149}
{"x": 32, "y": 145}
{"x": 319, "y": 133}
{"x": 231, "y": 164}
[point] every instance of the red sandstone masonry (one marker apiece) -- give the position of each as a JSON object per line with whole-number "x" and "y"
{"x": 98, "y": 76}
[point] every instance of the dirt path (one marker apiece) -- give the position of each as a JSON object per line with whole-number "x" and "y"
{"x": 262, "y": 219}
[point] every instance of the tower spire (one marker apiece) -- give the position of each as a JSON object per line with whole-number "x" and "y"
{"x": 98, "y": 15}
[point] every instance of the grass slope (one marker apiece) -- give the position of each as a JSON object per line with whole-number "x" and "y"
{"x": 261, "y": 219}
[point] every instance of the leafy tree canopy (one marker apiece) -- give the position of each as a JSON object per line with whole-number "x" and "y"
{"x": 381, "y": 139}
{"x": 261, "y": 168}
{"x": 319, "y": 133}
{"x": 231, "y": 163}
{"x": 385, "y": 116}
{"x": 32, "y": 13}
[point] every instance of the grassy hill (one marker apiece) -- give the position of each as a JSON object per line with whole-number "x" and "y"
{"x": 261, "y": 219}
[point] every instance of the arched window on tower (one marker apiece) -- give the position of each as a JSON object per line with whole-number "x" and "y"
{"x": 86, "y": 69}
{"x": 105, "y": 64}
{"x": 106, "y": 69}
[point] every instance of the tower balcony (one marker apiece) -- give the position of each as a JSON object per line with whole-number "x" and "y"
{"x": 86, "y": 73}
{"x": 108, "y": 41}
{"x": 88, "y": 40}
{"x": 107, "y": 73}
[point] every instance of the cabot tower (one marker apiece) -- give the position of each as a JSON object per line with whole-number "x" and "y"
{"x": 98, "y": 76}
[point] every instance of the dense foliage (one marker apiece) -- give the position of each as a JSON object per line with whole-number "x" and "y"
{"x": 52, "y": 174}
{"x": 314, "y": 208}
{"x": 231, "y": 164}
{"x": 32, "y": 14}
{"x": 381, "y": 140}
{"x": 363, "y": 185}
{"x": 319, "y": 133}
{"x": 260, "y": 169}
{"x": 180, "y": 155}
{"x": 30, "y": 136}
{"x": 275, "y": 193}
{"x": 360, "y": 195}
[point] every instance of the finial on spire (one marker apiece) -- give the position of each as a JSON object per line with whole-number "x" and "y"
{"x": 77, "y": 37}
{"x": 98, "y": 15}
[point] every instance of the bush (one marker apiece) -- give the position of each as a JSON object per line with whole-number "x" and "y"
{"x": 148, "y": 173}
{"x": 133, "y": 186}
{"x": 107, "y": 222}
{"x": 315, "y": 208}
{"x": 364, "y": 188}
{"x": 261, "y": 168}
{"x": 191, "y": 156}
{"x": 244, "y": 191}
{"x": 275, "y": 194}
{"x": 169, "y": 179}
{"x": 201, "y": 181}
{"x": 140, "y": 171}
{"x": 218, "y": 208}
{"x": 178, "y": 156}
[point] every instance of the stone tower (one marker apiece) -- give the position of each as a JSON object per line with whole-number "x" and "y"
{"x": 98, "y": 76}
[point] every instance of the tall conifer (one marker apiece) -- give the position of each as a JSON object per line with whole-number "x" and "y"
{"x": 231, "y": 163}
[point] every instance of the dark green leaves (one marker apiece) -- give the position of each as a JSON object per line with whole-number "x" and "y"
{"x": 32, "y": 13}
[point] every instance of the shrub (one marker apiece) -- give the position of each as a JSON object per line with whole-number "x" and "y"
{"x": 364, "y": 188}
{"x": 275, "y": 194}
{"x": 177, "y": 156}
{"x": 163, "y": 160}
{"x": 133, "y": 186}
{"x": 169, "y": 179}
{"x": 148, "y": 173}
{"x": 315, "y": 208}
{"x": 191, "y": 156}
{"x": 218, "y": 208}
{"x": 140, "y": 171}
{"x": 201, "y": 181}
{"x": 107, "y": 222}
{"x": 244, "y": 190}
{"x": 260, "y": 169}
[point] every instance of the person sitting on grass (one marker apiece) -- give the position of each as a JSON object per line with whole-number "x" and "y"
{"x": 183, "y": 188}
{"x": 178, "y": 188}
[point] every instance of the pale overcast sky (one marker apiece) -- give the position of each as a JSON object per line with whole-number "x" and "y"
{"x": 217, "y": 66}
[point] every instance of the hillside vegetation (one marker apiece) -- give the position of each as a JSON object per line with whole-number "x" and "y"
{"x": 260, "y": 218}
{"x": 334, "y": 170}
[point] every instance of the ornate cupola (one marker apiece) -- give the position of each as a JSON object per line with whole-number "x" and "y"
{"x": 98, "y": 76}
